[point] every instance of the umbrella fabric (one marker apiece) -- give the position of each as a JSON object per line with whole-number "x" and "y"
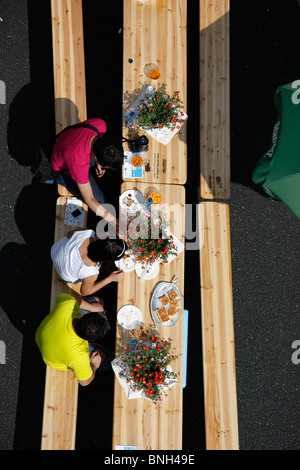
{"x": 278, "y": 170}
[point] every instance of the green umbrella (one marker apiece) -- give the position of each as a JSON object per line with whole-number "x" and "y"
{"x": 278, "y": 170}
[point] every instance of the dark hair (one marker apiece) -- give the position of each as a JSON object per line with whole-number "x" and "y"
{"x": 108, "y": 155}
{"x": 92, "y": 327}
{"x": 106, "y": 250}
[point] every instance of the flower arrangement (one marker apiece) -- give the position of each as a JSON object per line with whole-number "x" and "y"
{"x": 146, "y": 368}
{"x": 149, "y": 240}
{"x": 158, "y": 109}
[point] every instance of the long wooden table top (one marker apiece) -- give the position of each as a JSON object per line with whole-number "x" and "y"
{"x": 155, "y": 33}
{"x": 220, "y": 395}
{"x": 139, "y": 422}
{"x": 214, "y": 99}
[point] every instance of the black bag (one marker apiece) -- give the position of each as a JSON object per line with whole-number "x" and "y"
{"x": 41, "y": 168}
{"x": 40, "y": 165}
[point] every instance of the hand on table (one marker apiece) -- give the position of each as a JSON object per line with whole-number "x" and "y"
{"x": 116, "y": 276}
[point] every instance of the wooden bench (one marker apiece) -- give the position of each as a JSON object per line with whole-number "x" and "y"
{"x": 214, "y": 99}
{"x": 61, "y": 387}
{"x": 220, "y": 396}
{"x": 68, "y": 65}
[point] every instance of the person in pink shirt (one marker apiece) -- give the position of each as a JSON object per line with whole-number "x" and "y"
{"x": 76, "y": 151}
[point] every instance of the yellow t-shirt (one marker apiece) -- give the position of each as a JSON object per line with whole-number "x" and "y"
{"x": 60, "y": 347}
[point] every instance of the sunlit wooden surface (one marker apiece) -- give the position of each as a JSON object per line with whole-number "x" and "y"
{"x": 214, "y": 99}
{"x": 61, "y": 387}
{"x": 220, "y": 394}
{"x": 68, "y": 62}
{"x": 138, "y": 422}
{"x": 155, "y": 33}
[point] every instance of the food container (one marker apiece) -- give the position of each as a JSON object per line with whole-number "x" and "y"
{"x": 166, "y": 304}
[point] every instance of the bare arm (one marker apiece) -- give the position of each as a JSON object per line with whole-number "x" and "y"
{"x": 94, "y": 205}
{"x": 84, "y": 305}
{"x": 90, "y": 286}
{"x": 95, "y": 361}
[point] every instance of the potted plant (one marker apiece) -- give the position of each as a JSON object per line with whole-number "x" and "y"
{"x": 158, "y": 109}
{"x": 149, "y": 239}
{"x": 147, "y": 368}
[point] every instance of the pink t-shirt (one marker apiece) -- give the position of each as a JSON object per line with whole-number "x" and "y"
{"x": 72, "y": 150}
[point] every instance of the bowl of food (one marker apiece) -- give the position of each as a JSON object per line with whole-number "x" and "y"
{"x": 151, "y": 70}
{"x": 137, "y": 160}
{"x": 141, "y": 333}
{"x": 154, "y": 194}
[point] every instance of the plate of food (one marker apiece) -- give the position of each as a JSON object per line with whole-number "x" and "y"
{"x": 166, "y": 304}
{"x": 129, "y": 317}
{"x": 126, "y": 263}
{"x": 137, "y": 159}
{"x": 131, "y": 201}
{"x": 145, "y": 271}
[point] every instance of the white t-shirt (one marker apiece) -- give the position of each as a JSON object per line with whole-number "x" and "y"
{"x": 67, "y": 260}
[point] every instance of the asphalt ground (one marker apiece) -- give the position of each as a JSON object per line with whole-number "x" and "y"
{"x": 265, "y": 51}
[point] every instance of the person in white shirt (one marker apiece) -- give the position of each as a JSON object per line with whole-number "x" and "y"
{"x": 78, "y": 256}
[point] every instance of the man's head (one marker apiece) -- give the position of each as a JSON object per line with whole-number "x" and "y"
{"x": 92, "y": 327}
{"x": 108, "y": 156}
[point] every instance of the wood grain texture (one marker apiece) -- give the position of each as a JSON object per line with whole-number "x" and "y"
{"x": 139, "y": 422}
{"x": 61, "y": 387}
{"x": 220, "y": 396}
{"x": 155, "y": 33}
{"x": 68, "y": 66}
{"x": 68, "y": 62}
{"x": 214, "y": 99}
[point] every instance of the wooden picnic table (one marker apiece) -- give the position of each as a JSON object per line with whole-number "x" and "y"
{"x": 155, "y": 33}
{"x": 139, "y": 422}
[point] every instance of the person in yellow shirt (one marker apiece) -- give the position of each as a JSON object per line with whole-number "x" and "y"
{"x": 64, "y": 335}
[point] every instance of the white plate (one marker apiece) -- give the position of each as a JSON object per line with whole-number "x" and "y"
{"x": 147, "y": 272}
{"x": 129, "y": 317}
{"x": 137, "y": 198}
{"x": 126, "y": 264}
{"x": 161, "y": 289}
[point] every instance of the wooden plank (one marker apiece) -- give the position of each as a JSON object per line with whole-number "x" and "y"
{"x": 214, "y": 99}
{"x": 60, "y": 410}
{"x": 139, "y": 422}
{"x": 155, "y": 33}
{"x": 68, "y": 66}
{"x": 220, "y": 396}
{"x": 61, "y": 387}
{"x": 68, "y": 62}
